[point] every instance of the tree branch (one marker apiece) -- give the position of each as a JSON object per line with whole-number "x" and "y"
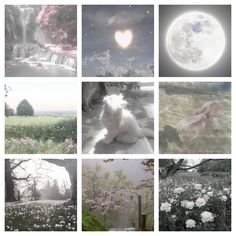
{"x": 192, "y": 167}
{"x": 18, "y": 164}
{"x": 22, "y": 178}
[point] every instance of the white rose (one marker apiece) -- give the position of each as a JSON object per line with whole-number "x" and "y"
{"x": 206, "y": 197}
{"x": 227, "y": 190}
{"x": 189, "y": 205}
{"x": 224, "y": 198}
{"x": 203, "y": 191}
{"x": 210, "y": 194}
{"x": 207, "y": 216}
{"x": 200, "y": 202}
{"x": 178, "y": 190}
{"x": 197, "y": 186}
{"x": 166, "y": 207}
{"x": 190, "y": 223}
{"x": 171, "y": 200}
{"x": 183, "y": 203}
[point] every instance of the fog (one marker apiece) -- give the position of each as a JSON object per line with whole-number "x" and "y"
{"x": 132, "y": 168}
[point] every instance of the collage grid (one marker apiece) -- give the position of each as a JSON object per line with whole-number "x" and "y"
{"x": 157, "y": 97}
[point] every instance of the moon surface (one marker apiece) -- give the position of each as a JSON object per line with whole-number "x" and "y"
{"x": 124, "y": 38}
{"x": 195, "y": 41}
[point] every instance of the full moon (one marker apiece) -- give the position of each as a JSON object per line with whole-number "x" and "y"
{"x": 124, "y": 38}
{"x": 195, "y": 41}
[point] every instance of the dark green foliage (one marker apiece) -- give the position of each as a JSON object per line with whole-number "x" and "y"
{"x": 90, "y": 223}
{"x": 221, "y": 165}
{"x": 8, "y": 111}
{"x": 24, "y": 109}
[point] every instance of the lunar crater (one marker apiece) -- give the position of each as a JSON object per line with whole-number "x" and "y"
{"x": 195, "y": 41}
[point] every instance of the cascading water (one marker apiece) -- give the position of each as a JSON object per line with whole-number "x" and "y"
{"x": 54, "y": 59}
{"x": 32, "y": 46}
{"x": 25, "y": 20}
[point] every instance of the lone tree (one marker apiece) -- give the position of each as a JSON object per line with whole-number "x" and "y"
{"x": 24, "y": 109}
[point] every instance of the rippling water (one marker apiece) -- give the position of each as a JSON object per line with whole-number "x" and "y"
{"x": 179, "y": 100}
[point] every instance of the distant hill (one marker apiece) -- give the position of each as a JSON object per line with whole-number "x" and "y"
{"x": 55, "y": 113}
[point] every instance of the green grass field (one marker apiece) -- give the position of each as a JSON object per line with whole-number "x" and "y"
{"x": 35, "y": 120}
{"x": 40, "y": 134}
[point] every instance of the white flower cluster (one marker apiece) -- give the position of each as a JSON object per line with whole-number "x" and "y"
{"x": 187, "y": 204}
{"x": 178, "y": 190}
{"x": 190, "y": 223}
{"x": 207, "y": 216}
{"x": 166, "y": 207}
{"x": 200, "y": 202}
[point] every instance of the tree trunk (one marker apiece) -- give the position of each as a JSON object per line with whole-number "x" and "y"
{"x": 139, "y": 213}
{"x": 71, "y": 167}
{"x": 174, "y": 168}
{"x": 144, "y": 222}
{"x": 9, "y": 183}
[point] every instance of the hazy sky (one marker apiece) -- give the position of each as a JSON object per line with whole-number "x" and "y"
{"x": 102, "y": 56}
{"x": 43, "y": 95}
{"x": 47, "y": 172}
{"x": 167, "y": 14}
{"x": 132, "y": 168}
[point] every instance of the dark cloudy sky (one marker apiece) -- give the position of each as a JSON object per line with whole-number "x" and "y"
{"x": 102, "y": 56}
{"x": 167, "y": 13}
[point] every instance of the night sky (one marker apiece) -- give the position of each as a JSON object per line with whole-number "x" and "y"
{"x": 102, "y": 56}
{"x": 168, "y": 13}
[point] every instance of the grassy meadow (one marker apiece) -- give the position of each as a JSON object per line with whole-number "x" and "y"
{"x": 40, "y": 134}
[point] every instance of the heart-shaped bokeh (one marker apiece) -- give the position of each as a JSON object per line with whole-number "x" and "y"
{"x": 124, "y": 38}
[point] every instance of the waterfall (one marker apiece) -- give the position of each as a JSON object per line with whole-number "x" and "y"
{"x": 24, "y": 30}
{"x": 33, "y": 45}
{"x": 24, "y": 50}
{"x": 25, "y": 20}
{"x": 54, "y": 59}
{"x": 70, "y": 62}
